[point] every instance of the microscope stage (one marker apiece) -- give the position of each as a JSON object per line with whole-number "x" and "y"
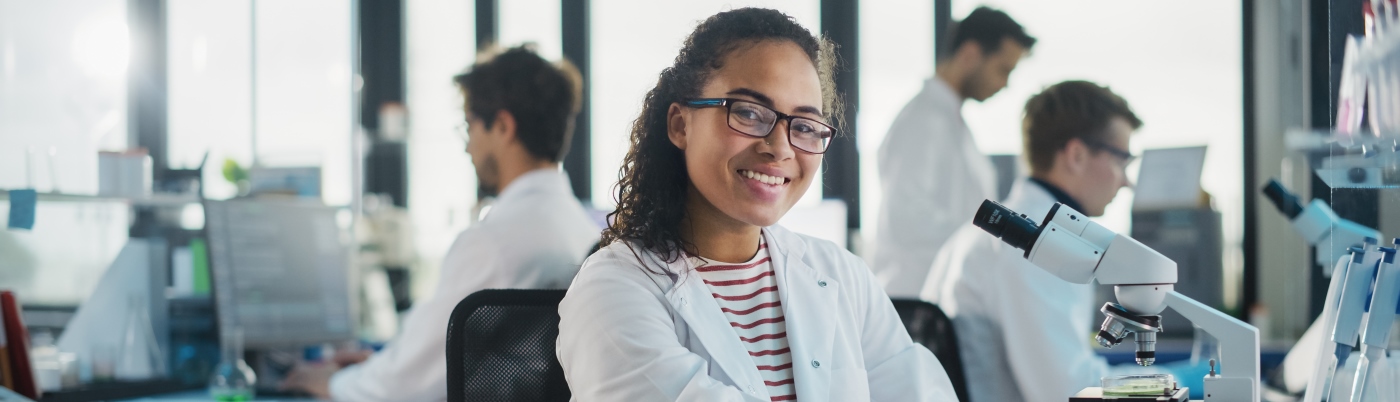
{"x": 1095, "y": 394}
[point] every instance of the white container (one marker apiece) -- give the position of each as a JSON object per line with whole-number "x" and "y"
{"x": 124, "y": 174}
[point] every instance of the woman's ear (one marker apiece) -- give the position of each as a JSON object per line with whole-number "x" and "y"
{"x": 675, "y": 125}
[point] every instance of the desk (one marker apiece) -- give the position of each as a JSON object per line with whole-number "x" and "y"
{"x": 203, "y": 396}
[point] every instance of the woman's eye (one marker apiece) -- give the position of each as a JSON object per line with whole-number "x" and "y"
{"x": 805, "y": 128}
{"x": 748, "y": 114}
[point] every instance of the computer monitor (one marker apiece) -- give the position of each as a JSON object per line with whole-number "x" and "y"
{"x": 280, "y": 270}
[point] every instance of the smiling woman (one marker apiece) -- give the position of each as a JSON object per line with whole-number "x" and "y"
{"x": 697, "y": 289}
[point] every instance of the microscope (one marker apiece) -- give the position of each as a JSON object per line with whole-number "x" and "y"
{"x": 1319, "y": 225}
{"x": 1070, "y": 246}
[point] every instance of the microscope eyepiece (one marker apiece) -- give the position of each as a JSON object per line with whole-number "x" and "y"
{"x": 1014, "y": 229}
{"x": 1286, "y": 202}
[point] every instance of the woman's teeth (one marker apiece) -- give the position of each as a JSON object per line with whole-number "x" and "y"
{"x": 765, "y": 179}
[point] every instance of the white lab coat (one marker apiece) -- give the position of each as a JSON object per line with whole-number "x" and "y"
{"x": 1024, "y": 334}
{"x": 629, "y": 335}
{"x": 535, "y": 236}
{"x": 932, "y": 179}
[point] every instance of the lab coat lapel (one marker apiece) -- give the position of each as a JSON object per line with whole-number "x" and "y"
{"x": 696, "y": 305}
{"x": 809, "y": 308}
{"x": 1029, "y": 198}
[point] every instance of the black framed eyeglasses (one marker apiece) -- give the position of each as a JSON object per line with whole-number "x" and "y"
{"x": 1124, "y": 156}
{"x": 756, "y": 120}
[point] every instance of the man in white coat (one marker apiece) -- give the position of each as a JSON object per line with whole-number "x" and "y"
{"x": 1024, "y": 334}
{"x": 519, "y": 110}
{"x": 932, "y": 175}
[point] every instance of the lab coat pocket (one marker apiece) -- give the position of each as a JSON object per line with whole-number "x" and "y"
{"x": 849, "y": 385}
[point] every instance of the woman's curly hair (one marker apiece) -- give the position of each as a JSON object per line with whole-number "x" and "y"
{"x": 653, "y": 181}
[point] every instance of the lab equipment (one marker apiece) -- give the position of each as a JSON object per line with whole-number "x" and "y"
{"x": 1138, "y": 384}
{"x": 53, "y": 369}
{"x": 1194, "y": 240}
{"x": 124, "y": 174}
{"x": 122, "y": 328}
{"x": 1342, "y": 315}
{"x": 281, "y": 271}
{"x": 141, "y": 357}
{"x": 1172, "y": 216}
{"x": 1170, "y": 179}
{"x": 1380, "y": 316}
{"x": 1353, "y": 247}
{"x": 1097, "y": 394}
{"x": 1070, "y": 246}
{"x": 1319, "y": 225}
{"x": 232, "y": 380}
{"x": 296, "y": 181}
{"x": 1368, "y": 76}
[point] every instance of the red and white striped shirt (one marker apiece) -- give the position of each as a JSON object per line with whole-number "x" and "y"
{"x": 747, "y": 293}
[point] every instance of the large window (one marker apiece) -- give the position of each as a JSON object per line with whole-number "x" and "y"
{"x": 210, "y": 92}
{"x": 262, "y": 82}
{"x": 304, "y": 90}
{"x": 626, "y": 65}
{"x": 896, "y": 56}
{"x": 439, "y": 43}
{"x": 63, "y": 87}
{"x": 532, "y": 21}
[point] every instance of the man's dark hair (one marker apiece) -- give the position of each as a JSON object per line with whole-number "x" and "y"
{"x": 988, "y": 27}
{"x": 1069, "y": 110}
{"x": 544, "y": 98}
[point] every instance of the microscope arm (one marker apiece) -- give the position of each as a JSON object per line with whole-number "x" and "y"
{"x": 1238, "y": 377}
{"x": 1239, "y": 341}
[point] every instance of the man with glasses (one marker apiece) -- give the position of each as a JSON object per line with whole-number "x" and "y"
{"x": 932, "y": 176}
{"x": 520, "y": 111}
{"x": 1024, "y": 333}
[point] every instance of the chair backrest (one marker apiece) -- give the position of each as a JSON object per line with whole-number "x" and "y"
{"x": 930, "y": 327}
{"x": 500, "y": 347}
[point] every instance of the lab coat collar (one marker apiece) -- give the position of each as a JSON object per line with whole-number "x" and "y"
{"x": 544, "y": 179}
{"x": 942, "y": 92}
{"x": 807, "y": 307}
{"x": 1029, "y": 198}
{"x": 1059, "y": 194}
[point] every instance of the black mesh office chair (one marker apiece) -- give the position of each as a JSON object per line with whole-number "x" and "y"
{"x": 930, "y": 327}
{"x": 500, "y": 347}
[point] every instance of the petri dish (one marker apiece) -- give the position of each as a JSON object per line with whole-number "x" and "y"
{"x": 1138, "y": 384}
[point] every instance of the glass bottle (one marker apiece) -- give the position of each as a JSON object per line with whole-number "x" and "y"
{"x": 233, "y": 380}
{"x": 141, "y": 358}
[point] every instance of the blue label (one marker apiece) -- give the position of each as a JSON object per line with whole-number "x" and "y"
{"x": 22, "y": 204}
